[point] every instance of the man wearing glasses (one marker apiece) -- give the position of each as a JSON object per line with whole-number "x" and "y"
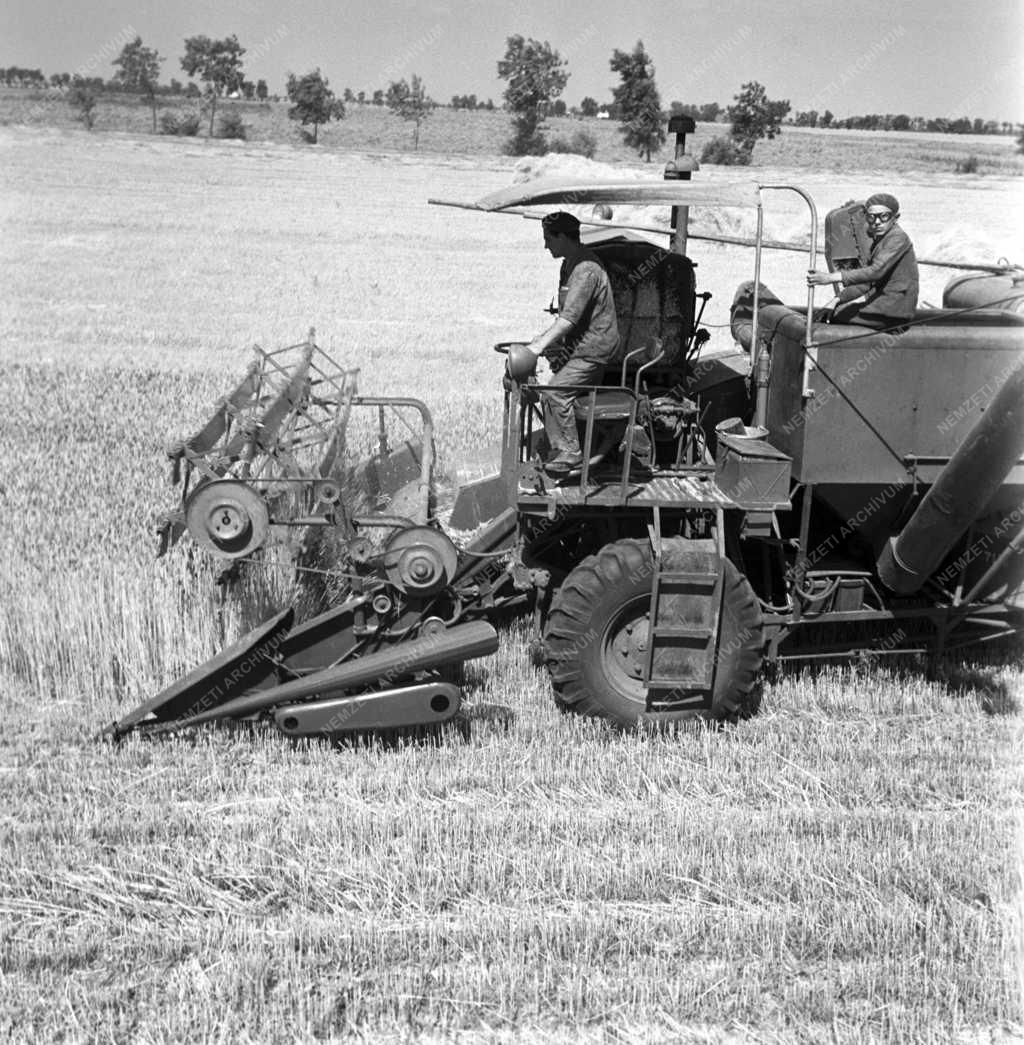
{"x": 882, "y": 293}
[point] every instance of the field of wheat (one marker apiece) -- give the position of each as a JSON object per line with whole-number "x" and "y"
{"x": 844, "y": 867}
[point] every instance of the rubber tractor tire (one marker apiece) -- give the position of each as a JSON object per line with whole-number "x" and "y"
{"x": 598, "y": 610}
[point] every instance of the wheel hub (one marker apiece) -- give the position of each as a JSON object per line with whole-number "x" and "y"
{"x": 227, "y": 517}
{"x": 227, "y": 521}
{"x": 629, "y": 647}
{"x": 420, "y": 561}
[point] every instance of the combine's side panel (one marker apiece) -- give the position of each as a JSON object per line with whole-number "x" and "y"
{"x": 887, "y": 411}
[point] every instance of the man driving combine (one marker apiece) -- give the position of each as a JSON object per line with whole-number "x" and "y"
{"x": 882, "y": 293}
{"x": 585, "y": 332}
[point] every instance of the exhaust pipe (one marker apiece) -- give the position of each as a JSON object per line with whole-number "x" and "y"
{"x": 960, "y": 494}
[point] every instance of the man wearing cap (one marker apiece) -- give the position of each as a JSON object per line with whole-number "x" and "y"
{"x": 887, "y": 283}
{"x": 585, "y": 328}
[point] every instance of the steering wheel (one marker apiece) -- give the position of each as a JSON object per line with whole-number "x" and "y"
{"x": 504, "y": 346}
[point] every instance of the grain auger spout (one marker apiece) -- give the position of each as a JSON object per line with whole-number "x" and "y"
{"x": 270, "y": 481}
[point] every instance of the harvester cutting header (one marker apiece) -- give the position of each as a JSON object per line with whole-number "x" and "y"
{"x": 799, "y": 493}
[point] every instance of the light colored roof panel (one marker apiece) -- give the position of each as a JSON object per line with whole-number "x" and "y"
{"x": 668, "y": 193}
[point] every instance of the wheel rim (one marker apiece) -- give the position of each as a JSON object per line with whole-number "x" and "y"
{"x": 624, "y": 648}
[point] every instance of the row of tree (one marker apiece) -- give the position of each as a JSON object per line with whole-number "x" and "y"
{"x": 15, "y": 76}
{"x": 257, "y": 91}
{"x": 902, "y": 122}
{"x": 536, "y": 76}
{"x": 217, "y": 65}
{"x": 534, "y": 72}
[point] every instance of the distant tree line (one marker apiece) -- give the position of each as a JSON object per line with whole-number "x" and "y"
{"x": 34, "y": 79}
{"x": 535, "y": 74}
{"x": 712, "y": 112}
{"x": 470, "y": 101}
{"x": 903, "y": 122}
{"x": 709, "y": 112}
{"x": 15, "y": 76}
{"x": 215, "y": 71}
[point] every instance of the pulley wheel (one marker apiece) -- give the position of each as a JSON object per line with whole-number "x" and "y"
{"x": 227, "y": 517}
{"x": 328, "y": 491}
{"x": 359, "y": 550}
{"x": 420, "y": 561}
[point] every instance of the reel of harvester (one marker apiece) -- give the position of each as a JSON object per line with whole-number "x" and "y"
{"x": 271, "y": 455}
{"x": 273, "y": 466}
{"x": 270, "y": 468}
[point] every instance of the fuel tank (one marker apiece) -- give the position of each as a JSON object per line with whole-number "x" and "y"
{"x": 982, "y": 289}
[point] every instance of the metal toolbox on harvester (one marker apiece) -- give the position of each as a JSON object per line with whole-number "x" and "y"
{"x": 749, "y": 470}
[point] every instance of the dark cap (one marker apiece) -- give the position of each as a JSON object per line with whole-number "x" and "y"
{"x": 561, "y": 223}
{"x": 883, "y": 199}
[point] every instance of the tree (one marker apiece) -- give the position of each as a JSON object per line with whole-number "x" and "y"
{"x": 826, "y": 118}
{"x": 138, "y": 70}
{"x": 82, "y": 99}
{"x": 638, "y": 101}
{"x": 589, "y": 106}
{"x": 725, "y": 151}
{"x": 535, "y": 76}
{"x": 378, "y": 96}
{"x": 261, "y": 90}
{"x": 218, "y": 63}
{"x": 755, "y": 116}
{"x": 410, "y": 101}
{"x": 18, "y": 77}
{"x": 313, "y": 101}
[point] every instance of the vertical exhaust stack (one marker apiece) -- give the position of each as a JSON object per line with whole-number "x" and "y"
{"x": 680, "y": 168}
{"x": 961, "y": 492}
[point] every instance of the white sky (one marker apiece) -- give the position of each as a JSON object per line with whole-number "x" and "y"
{"x": 933, "y": 58}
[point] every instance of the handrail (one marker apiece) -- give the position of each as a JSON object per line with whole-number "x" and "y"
{"x": 647, "y": 366}
{"x": 810, "y": 354}
{"x": 628, "y": 357}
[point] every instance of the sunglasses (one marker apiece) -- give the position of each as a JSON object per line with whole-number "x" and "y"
{"x": 886, "y": 216}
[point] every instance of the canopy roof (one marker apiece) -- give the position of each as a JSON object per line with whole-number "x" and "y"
{"x": 668, "y": 193}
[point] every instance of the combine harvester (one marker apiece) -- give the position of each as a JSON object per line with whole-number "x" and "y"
{"x": 817, "y": 490}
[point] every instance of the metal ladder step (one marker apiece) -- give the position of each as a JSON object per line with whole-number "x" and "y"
{"x": 704, "y": 580}
{"x": 673, "y": 631}
{"x": 682, "y": 656}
